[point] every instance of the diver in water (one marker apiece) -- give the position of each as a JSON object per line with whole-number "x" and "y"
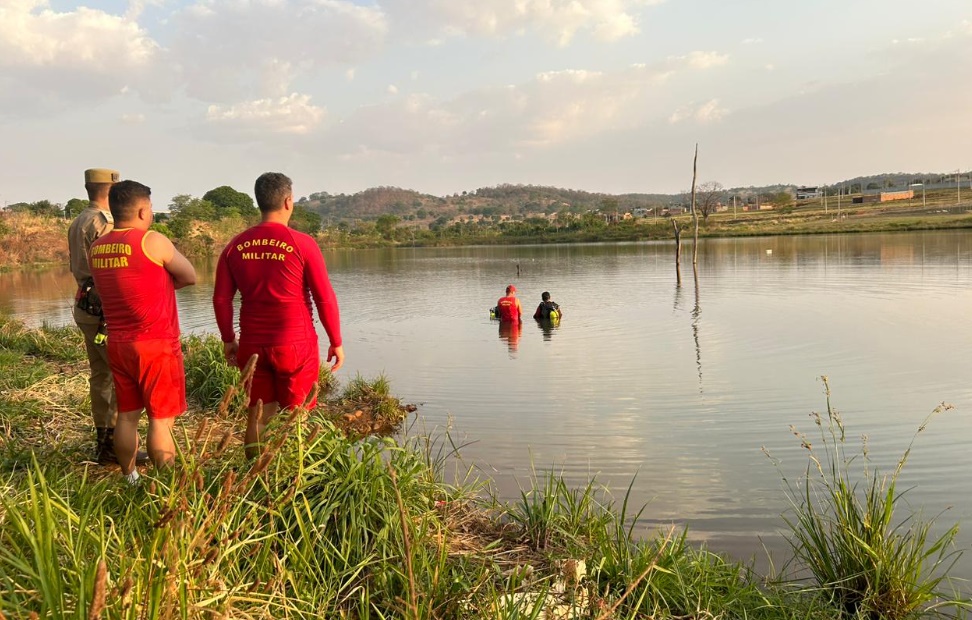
{"x": 508, "y": 308}
{"x": 548, "y": 310}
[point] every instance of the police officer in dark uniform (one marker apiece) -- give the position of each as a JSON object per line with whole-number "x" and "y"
{"x": 93, "y": 222}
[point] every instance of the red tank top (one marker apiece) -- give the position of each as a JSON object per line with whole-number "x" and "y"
{"x": 136, "y": 290}
{"x": 507, "y": 309}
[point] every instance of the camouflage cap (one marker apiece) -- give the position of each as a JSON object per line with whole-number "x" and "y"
{"x": 101, "y": 175}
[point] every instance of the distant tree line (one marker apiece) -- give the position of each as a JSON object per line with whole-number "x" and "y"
{"x": 221, "y": 204}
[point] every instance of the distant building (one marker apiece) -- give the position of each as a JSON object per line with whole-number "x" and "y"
{"x": 806, "y": 193}
{"x": 907, "y": 194}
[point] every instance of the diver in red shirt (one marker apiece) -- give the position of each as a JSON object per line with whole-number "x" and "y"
{"x": 277, "y": 271}
{"x": 508, "y": 309}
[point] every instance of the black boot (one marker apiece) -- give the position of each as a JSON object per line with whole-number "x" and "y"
{"x": 106, "y": 449}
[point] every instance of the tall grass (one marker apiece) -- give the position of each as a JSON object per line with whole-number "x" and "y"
{"x": 844, "y": 531}
{"x": 62, "y": 344}
{"x": 208, "y": 373}
{"x": 307, "y": 528}
{"x": 327, "y": 523}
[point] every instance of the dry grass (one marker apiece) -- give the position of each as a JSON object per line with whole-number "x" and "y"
{"x": 27, "y": 239}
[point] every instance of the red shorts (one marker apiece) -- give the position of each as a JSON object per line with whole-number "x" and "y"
{"x": 149, "y": 374}
{"x": 284, "y": 374}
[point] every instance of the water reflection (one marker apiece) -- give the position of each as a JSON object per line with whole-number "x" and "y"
{"x": 548, "y": 326}
{"x": 696, "y": 315}
{"x": 509, "y": 332}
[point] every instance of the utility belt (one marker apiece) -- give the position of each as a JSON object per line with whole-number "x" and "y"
{"x": 87, "y": 300}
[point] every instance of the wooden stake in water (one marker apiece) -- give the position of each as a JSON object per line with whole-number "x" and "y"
{"x": 695, "y": 214}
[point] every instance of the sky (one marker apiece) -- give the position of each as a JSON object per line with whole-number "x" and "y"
{"x": 443, "y": 96}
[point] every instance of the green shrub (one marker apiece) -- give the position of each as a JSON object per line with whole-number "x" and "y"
{"x": 866, "y": 562}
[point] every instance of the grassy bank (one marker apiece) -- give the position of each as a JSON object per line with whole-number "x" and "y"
{"x": 338, "y": 520}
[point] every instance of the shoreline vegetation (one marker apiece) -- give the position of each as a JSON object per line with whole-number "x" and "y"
{"x": 200, "y": 232}
{"x": 340, "y": 518}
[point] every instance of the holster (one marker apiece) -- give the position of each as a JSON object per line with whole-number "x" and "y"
{"x": 87, "y": 300}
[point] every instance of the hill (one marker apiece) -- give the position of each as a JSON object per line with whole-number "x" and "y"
{"x": 520, "y": 201}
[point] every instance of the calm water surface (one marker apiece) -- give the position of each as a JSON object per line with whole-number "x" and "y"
{"x": 675, "y": 388}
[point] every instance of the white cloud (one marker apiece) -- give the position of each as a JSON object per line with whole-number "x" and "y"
{"x": 752, "y": 40}
{"x": 553, "y": 109}
{"x": 33, "y": 35}
{"x": 293, "y": 114}
{"x": 704, "y": 60}
{"x": 133, "y": 119}
{"x": 231, "y": 49}
{"x": 558, "y": 21}
{"x": 349, "y": 74}
{"x": 710, "y": 112}
{"x": 392, "y": 89}
{"x": 573, "y": 75}
{"x": 50, "y": 58}
{"x": 707, "y": 112}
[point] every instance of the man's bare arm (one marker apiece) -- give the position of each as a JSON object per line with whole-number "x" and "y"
{"x": 160, "y": 249}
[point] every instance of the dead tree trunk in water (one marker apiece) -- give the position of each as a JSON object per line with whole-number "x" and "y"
{"x": 695, "y": 214}
{"x": 678, "y": 252}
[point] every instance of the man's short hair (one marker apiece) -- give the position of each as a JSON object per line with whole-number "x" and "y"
{"x": 545, "y": 296}
{"x": 271, "y": 189}
{"x": 123, "y": 199}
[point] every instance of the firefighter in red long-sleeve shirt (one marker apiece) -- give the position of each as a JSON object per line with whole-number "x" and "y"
{"x": 277, "y": 271}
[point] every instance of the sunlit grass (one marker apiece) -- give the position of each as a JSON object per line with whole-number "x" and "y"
{"x": 334, "y": 520}
{"x": 868, "y": 562}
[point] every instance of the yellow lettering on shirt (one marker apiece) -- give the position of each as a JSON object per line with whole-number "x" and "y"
{"x": 250, "y": 243}
{"x": 262, "y": 256}
{"x": 111, "y": 262}
{"x": 112, "y": 248}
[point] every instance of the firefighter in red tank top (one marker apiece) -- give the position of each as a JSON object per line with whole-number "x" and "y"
{"x": 137, "y": 272}
{"x": 508, "y": 308}
{"x": 278, "y": 271}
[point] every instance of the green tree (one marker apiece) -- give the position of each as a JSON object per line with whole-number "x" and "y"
{"x": 439, "y": 223}
{"x": 227, "y": 201}
{"x": 184, "y": 210}
{"x": 305, "y": 220}
{"x": 593, "y": 221}
{"x": 75, "y": 206}
{"x": 782, "y": 199}
{"x": 186, "y": 206}
{"x": 41, "y": 207}
{"x": 385, "y": 225}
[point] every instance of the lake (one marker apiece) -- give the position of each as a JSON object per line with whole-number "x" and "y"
{"x": 674, "y": 390}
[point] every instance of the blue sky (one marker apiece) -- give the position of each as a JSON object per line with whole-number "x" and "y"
{"x": 443, "y": 96}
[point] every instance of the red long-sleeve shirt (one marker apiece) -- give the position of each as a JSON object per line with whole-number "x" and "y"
{"x": 277, "y": 271}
